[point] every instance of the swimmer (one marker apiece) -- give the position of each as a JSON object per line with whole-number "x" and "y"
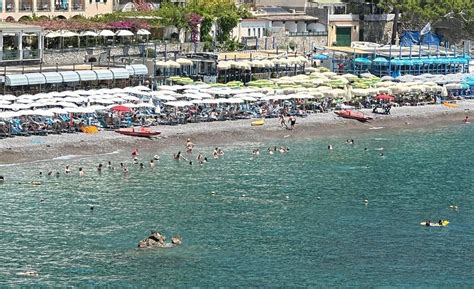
{"x": 41, "y": 174}
{"x": 255, "y": 152}
{"x": 189, "y": 146}
{"x": 156, "y": 157}
{"x": 142, "y": 166}
{"x": 351, "y": 141}
{"x": 92, "y": 208}
{"x": 466, "y": 119}
{"x": 220, "y": 152}
{"x": 177, "y": 156}
{"x": 2, "y": 179}
{"x": 329, "y": 147}
{"x": 109, "y": 165}
{"x": 121, "y": 165}
{"x": 125, "y": 170}
{"x": 381, "y": 154}
{"x": 269, "y": 150}
{"x": 365, "y": 149}
{"x": 81, "y": 172}
{"x": 50, "y": 173}
{"x": 135, "y": 160}
{"x": 152, "y": 163}
{"x": 99, "y": 168}
{"x": 57, "y": 174}
{"x": 135, "y": 153}
{"x": 67, "y": 171}
{"x": 215, "y": 153}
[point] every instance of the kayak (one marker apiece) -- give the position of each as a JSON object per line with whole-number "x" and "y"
{"x": 450, "y": 105}
{"x": 444, "y": 224}
{"x": 351, "y": 114}
{"x": 258, "y": 122}
{"x": 139, "y": 132}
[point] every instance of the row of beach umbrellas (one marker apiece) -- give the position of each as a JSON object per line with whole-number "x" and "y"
{"x": 102, "y": 33}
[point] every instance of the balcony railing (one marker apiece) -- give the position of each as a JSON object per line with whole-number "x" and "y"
{"x": 31, "y": 54}
{"x": 25, "y": 6}
{"x": 43, "y": 7}
{"x": 316, "y": 33}
{"x": 11, "y": 55}
{"x": 10, "y": 7}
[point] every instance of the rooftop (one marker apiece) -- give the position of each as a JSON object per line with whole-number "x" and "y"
{"x": 17, "y": 26}
{"x": 288, "y": 17}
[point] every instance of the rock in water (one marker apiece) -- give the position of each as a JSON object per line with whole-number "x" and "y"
{"x": 156, "y": 240}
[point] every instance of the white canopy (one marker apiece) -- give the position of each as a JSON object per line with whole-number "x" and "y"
{"x": 89, "y": 33}
{"x": 124, "y": 33}
{"x": 143, "y": 32}
{"x": 179, "y": 103}
{"x": 106, "y": 33}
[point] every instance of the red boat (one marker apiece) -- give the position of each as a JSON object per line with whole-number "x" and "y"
{"x": 357, "y": 115}
{"x": 140, "y": 132}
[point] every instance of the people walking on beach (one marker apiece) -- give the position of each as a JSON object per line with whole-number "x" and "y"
{"x": 189, "y": 146}
{"x": 283, "y": 121}
{"x": 292, "y": 121}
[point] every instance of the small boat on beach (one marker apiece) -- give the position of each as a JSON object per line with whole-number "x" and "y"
{"x": 357, "y": 115}
{"x": 258, "y": 122}
{"x": 138, "y": 132}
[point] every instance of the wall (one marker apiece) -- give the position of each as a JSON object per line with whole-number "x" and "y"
{"x": 52, "y": 57}
{"x": 377, "y": 28}
{"x": 301, "y": 43}
{"x": 334, "y": 24}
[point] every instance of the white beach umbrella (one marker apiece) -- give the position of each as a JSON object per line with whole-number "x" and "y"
{"x": 124, "y": 33}
{"x": 184, "y": 62}
{"x": 67, "y": 34}
{"x": 58, "y": 110}
{"x": 165, "y": 97}
{"x": 179, "y": 103}
{"x": 89, "y": 33}
{"x": 106, "y": 33}
{"x": 8, "y": 97}
{"x": 143, "y": 32}
{"x": 145, "y": 104}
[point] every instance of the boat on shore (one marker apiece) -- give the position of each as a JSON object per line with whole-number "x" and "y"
{"x": 138, "y": 132}
{"x": 351, "y": 114}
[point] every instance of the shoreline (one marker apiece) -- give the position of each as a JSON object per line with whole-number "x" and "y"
{"x": 35, "y": 148}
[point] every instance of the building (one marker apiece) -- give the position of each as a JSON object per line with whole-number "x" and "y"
{"x": 20, "y": 43}
{"x": 343, "y": 29}
{"x": 15, "y": 10}
{"x": 291, "y": 23}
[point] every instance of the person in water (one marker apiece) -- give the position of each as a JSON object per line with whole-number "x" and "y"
{"x": 270, "y": 151}
{"x": 152, "y": 163}
{"x": 81, "y": 172}
{"x": 57, "y": 174}
{"x": 220, "y": 152}
{"x": 2, "y": 179}
{"x": 256, "y": 152}
{"x": 215, "y": 153}
{"x": 142, "y": 166}
{"x": 135, "y": 153}
{"x": 178, "y": 156}
{"x": 466, "y": 119}
{"x": 67, "y": 171}
{"x": 440, "y": 222}
{"x": 329, "y": 147}
{"x": 135, "y": 160}
{"x": 189, "y": 146}
{"x": 109, "y": 165}
{"x": 428, "y": 223}
{"x": 99, "y": 168}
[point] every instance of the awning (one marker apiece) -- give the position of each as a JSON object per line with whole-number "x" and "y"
{"x": 53, "y": 77}
{"x": 35, "y": 78}
{"x": 104, "y": 74}
{"x": 130, "y": 69}
{"x": 120, "y": 73}
{"x": 70, "y": 76}
{"x": 139, "y": 69}
{"x": 16, "y": 80}
{"x": 87, "y": 75}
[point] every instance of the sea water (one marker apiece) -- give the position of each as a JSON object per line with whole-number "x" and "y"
{"x": 309, "y": 217}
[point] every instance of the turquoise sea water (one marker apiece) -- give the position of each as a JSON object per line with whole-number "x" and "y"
{"x": 282, "y": 220}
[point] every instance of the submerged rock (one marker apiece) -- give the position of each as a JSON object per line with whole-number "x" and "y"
{"x": 157, "y": 240}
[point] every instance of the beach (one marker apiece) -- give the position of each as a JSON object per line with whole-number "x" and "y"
{"x": 209, "y": 134}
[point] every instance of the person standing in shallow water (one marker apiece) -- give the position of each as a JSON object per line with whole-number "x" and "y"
{"x": 189, "y": 146}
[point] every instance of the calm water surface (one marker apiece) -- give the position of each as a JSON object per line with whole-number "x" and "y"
{"x": 295, "y": 219}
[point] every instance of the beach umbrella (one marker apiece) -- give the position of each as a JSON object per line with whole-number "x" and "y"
{"x": 129, "y": 105}
{"x": 121, "y": 108}
{"x": 381, "y": 61}
{"x": 385, "y": 97}
{"x": 67, "y": 34}
{"x": 145, "y": 104}
{"x": 89, "y": 33}
{"x": 320, "y": 56}
{"x": 106, "y": 33}
{"x": 143, "y": 32}
{"x": 362, "y": 61}
{"x": 184, "y": 62}
{"x": 179, "y": 103}
{"x": 124, "y": 33}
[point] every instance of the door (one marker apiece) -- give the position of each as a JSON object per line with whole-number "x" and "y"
{"x": 343, "y": 36}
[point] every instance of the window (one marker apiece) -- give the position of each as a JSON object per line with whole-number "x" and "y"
{"x": 248, "y": 32}
{"x": 26, "y": 5}
{"x": 259, "y": 32}
{"x": 254, "y": 32}
{"x": 43, "y": 5}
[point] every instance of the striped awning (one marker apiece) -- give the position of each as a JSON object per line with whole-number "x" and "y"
{"x": 87, "y": 75}
{"x": 53, "y": 77}
{"x": 104, "y": 74}
{"x": 35, "y": 78}
{"x": 16, "y": 80}
{"x": 70, "y": 76}
{"x": 120, "y": 73}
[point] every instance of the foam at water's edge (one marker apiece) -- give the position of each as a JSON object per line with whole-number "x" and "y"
{"x": 66, "y": 157}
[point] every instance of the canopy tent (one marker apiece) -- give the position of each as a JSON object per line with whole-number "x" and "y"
{"x": 106, "y": 33}
{"x": 120, "y": 73}
{"x": 104, "y": 74}
{"x": 137, "y": 69}
{"x": 124, "y": 33}
{"x": 143, "y": 32}
{"x": 53, "y": 77}
{"x": 87, "y": 75}
{"x": 16, "y": 80}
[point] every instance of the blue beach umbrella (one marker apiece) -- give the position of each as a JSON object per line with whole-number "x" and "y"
{"x": 320, "y": 56}
{"x": 362, "y": 61}
{"x": 382, "y": 61}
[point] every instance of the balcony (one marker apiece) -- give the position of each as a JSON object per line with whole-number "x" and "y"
{"x": 43, "y": 6}
{"x": 31, "y": 54}
{"x": 10, "y": 6}
{"x": 78, "y": 5}
{"x": 61, "y": 6}
{"x": 26, "y": 6}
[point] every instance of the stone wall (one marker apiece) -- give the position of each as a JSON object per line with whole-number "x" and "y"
{"x": 377, "y": 28}
{"x": 298, "y": 43}
{"x": 103, "y": 55}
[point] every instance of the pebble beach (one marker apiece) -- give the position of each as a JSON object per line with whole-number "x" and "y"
{"x": 33, "y": 148}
